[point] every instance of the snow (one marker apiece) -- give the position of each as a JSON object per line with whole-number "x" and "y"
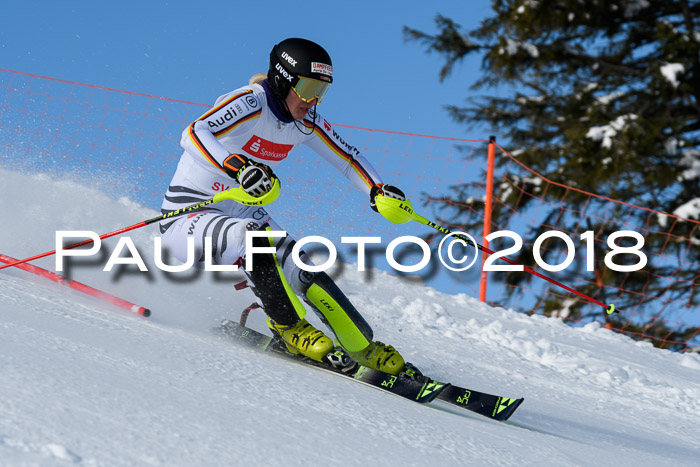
{"x": 635, "y": 6}
{"x": 527, "y": 4}
{"x": 606, "y": 100}
{"x": 82, "y": 383}
{"x": 606, "y": 133}
{"x": 689, "y": 210}
{"x": 670, "y": 71}
{"x": 505, "y": 190}
{"x": 527, "y": 99}
{"x": 690, "y": 159}
{"x": 662, "y": 219}
{"x": 512, "y": 48}
{"x": 565, "y": 310}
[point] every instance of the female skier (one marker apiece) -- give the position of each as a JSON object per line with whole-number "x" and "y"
{"x": 238, "y": 142}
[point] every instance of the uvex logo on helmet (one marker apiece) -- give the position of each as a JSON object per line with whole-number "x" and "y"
{"x": 289, "y": 58}
{"x": 281, "y": 69}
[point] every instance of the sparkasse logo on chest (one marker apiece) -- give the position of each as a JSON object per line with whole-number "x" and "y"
{"x": 267, "y": 150}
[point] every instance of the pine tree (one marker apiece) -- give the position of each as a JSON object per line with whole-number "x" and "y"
{"x": 604, "y": 96}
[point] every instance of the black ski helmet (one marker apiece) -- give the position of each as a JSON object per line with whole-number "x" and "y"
{"x": 294, "y": 58}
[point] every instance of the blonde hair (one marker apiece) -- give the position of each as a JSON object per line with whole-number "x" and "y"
{"x": 257, "y": 78}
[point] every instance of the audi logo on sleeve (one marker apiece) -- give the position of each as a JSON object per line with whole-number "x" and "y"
{"x": 267, "y": 150}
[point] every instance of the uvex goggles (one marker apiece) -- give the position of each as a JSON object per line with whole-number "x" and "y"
{"x": 309, "y": 89}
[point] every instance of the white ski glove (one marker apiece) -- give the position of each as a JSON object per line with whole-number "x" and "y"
{"x": 255, "y": 178}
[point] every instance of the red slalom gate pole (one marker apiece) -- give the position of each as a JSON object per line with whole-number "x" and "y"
{"x": 487, "y": 212}
{"x": 86, "y": 289}
{"x": 401, "y": 211}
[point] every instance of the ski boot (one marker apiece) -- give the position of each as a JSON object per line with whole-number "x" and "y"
{"x": 302, "y": 338}
{"x": 379, "y": 356}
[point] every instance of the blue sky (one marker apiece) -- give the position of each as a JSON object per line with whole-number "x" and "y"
{"x": 197, "y": 51}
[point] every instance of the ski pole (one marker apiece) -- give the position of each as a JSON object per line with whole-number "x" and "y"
{"x": 235, "y": 194}
{"x": 401, "y": 212}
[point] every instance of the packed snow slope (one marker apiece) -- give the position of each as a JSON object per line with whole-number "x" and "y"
{"x": 82, "y": 382}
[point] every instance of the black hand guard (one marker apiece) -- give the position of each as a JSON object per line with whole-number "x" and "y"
{"x": 386, "y": 190}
